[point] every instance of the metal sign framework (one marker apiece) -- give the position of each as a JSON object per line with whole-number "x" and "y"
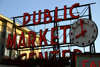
{"x": 56, "y": 47}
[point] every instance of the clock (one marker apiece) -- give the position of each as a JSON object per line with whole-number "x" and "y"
{"x": 83, "y": 32}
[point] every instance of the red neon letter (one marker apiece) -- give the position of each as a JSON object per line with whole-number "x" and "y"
{"x": 24, "y": 18}
{"x": 40, "y": 55}
{"x": 77, "y": 4}
{"x": 38, "y": 18}
{"x": 65, "y": 51}
{"x": 21, "y": 38}
{"x": 77, "y": 50}
{"x": 46, "y": 55}
{"x": 99, "y": 63}
{"x": 84, "y": 62}
{"x": 43, "y": 37}
{"x": 74, "y": 53}
{"x": 56, "y": 15}
{"x": 30, "y": 54}
{"x": 64, "y": 35}
{"x": 32, "y": 41}
{"x": 65, "y": 12}
{"x": 93, "y": 64}
{"x": 11, "y": 42}
{"x": 54, "y": 53}
{"x": 53, "y": 37}
{"x": 47, "y": 15}
{"x": 22, "y": 55}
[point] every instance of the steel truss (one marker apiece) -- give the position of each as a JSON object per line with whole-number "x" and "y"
{"x": 56, "y": 47}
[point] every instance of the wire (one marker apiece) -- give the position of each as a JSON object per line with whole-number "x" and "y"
{"x": 80, "y": 14}
{"x": 21, "y": 24}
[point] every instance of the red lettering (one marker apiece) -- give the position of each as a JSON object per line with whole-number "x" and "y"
{"x": 22, "y": 55}
{"x": 64, "y": 35}
{"x": 32, "y": 41}
{"x": 53, "y": 37}
{"x": 77, "y": 50}
{"x": 73, "y": 16}
{"x": 54, "y": 53}
{"x": 30, "y": 54}
{"x": 40, "y": 55}
{"x": 22, "y": 38}
{"x": 73, "y": 56}
{"x": 56, "y": 15}
{"x": 65, "y": 12}
{"x": 99, "y": 63}
{"x": 46, "y": 55}
{"x": 84, "y": 62}
{"x": 65, "y": 51}
{"x": 39, "y": 17}
{"x": 11, "y": 42}
{"x": 24, "y": 18}
{"x": 74, "y": 53}
{"x": 93, "y": 64}
{"x": 42, "y": 37}
{"x": 47, "y": 15}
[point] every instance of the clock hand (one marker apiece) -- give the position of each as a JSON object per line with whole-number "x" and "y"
{"x": 78, "y": 35}
{"x": 85, "y": 31}
{"x": 81, "y": 22}
{"x": 81, "y": 33}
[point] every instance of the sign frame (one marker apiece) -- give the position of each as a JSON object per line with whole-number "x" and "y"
{"x": 86, "y": 54}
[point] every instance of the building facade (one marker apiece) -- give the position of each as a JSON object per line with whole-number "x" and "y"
{"x": 6, "y": 27}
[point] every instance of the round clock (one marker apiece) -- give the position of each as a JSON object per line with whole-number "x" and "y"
{"x": 83, "y": 32}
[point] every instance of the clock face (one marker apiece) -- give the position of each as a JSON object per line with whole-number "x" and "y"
{"x": 83, "y": 32}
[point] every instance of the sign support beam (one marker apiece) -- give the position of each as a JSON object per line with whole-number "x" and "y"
{"x": 92, "y": 46}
